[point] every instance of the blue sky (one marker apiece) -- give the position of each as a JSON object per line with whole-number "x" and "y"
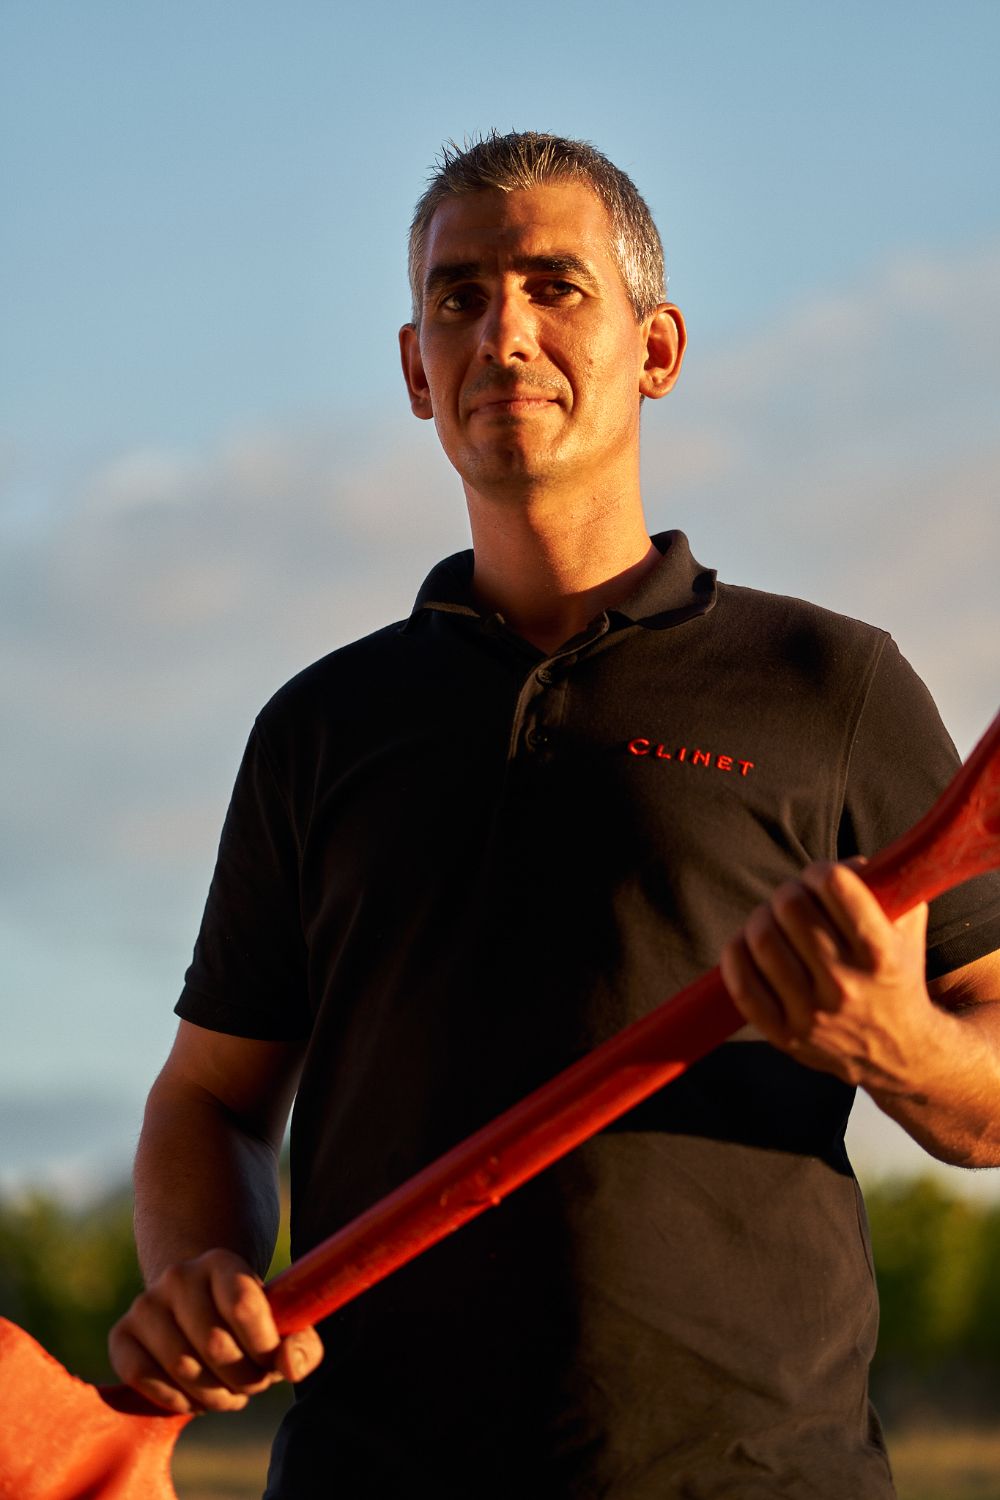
{"x": 209, "y": 475}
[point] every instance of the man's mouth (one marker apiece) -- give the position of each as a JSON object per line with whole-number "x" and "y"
{"x": 512, "y": 403}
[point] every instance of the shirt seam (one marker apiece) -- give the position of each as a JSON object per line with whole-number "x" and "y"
{"x": 851, "y": 739}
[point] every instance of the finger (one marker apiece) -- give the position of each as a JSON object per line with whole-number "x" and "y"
{"x": 820, "y": 948}
{"x": 795, "y": 953}
{"x": 299, "y": 1354}
{"x": 861, "y": 926}
{"x": 241, "y": 1300}
{"x": 222, "y": 1362}
{"x": 750, "y": 992}
{"x": 152, "y": 1354}
{"x": 873, "y": 941}
{"x": 135, "y": 1365}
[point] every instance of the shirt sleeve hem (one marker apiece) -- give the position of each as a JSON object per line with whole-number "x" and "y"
{"x": 964, "y": 948}
{"x": 215, "y": 1015}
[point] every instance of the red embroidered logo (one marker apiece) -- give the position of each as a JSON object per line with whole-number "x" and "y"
{"x": 691, "y": 757}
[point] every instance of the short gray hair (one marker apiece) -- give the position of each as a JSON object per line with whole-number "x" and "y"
{"x": 527, "y": 159}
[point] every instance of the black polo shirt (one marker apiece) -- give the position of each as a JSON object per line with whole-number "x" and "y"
{"x": 452, "y": 865}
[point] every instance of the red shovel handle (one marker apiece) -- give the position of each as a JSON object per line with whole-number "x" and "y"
{"x": 959, "y": 838}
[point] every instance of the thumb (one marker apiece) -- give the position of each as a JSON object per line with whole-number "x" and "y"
{"x": 299, "y": 1354}
{"x": 913, "y": 923}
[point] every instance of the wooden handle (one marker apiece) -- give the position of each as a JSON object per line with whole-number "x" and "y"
{"x": 958, "y": 838}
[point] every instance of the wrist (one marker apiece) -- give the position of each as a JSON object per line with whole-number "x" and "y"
{"x": 945, "y": 1096}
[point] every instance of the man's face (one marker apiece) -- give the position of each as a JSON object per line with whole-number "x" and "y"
{"x": 528, "y": 356}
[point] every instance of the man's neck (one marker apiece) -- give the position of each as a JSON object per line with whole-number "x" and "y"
{"x": 550, "y": 564}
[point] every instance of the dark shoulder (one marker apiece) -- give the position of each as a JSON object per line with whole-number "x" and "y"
{"x": 797, "y": 631}
{"x": 336, "y": 686}
{"x": 336, "y": 670}
{"x": 784, "y": 612}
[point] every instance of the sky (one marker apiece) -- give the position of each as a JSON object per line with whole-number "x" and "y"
{"x": 209, "y": 474}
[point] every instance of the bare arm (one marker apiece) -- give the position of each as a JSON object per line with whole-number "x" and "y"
{"x": 826, "y": 977}
{"x": 206, "y": 1185}
{"x": 953, "y": 1107}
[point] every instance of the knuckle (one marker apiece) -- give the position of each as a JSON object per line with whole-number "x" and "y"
{"x": 219, "y": 1260}
{"x": 146, "y": 1313}
{"x": 794, "y": 900}
{"x": 759, "y": 924}
{"x": 788, "y": 894}
{"x": 841, "y": 884}
{"x": 218, "y": 1398}
{"x": 313, "y": 1343}
{"x": 838, "y": 992}
{"x": 164, "y": 1395}
{"x": 128, "y": 1363}
{"x": 170, "y": 1284}
{"x": 185, "y": 1367}
{"x": 118, "y": 1335}
{"x": 143, "y": 1305}
{"x": 245, "y": 1304}
{"x": 220, "y": 1347}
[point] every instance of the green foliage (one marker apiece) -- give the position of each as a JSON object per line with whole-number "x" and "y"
{"x": 65, "y": 1276}
{"x": 935, "y": 1255}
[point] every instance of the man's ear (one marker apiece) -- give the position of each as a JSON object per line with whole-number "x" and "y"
{"x": 666, "y": 340}
{"x": 413, "y": 372}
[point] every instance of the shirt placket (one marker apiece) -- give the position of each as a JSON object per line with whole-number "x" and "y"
{"x": 538, "y": 713}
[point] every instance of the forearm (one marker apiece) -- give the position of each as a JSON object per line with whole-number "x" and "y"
{"x": 202, "y": 1334}
{"x": 948, "y": 1095}
{"x": 202, "y": 1181}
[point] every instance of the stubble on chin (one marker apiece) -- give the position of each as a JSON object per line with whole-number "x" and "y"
{"x": 507, "y": 470}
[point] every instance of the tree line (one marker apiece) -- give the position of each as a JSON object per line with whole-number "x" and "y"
{"x": 66, "y": 1275}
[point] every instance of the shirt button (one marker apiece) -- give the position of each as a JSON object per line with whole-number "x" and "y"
{"x": 545, "y": 675}
{"x": 536, "y": 739}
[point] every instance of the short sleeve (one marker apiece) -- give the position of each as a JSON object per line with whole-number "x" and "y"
{"x": 248, "y": 976}
{"x": 901, "y": 761}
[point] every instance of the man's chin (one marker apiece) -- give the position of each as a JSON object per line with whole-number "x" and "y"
{"x": 514, "y": 474}
{"x": 507, "y": 459}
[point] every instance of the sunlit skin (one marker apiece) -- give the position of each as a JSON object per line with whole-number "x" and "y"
{"x": 531, "y": 363}
{"x": 529, "y": 357}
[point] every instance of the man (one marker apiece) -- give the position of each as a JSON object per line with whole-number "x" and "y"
{"x": 465, "y": 850}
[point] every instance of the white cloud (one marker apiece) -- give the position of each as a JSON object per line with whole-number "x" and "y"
{"x": 162, "y": 604}
{"x": 144, "y": 477}
{"x": 943, "y": 311}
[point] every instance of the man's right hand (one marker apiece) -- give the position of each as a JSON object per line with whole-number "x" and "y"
{"x": 202, "y": 1338}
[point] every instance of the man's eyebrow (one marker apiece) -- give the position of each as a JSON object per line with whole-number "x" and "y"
{"x": 450, "y": 273}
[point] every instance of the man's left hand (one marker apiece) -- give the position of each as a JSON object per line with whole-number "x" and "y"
{"x": 825, "y": 976}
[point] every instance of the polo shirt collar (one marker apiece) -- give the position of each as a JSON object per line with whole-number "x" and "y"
{"x": 677, "y": 589}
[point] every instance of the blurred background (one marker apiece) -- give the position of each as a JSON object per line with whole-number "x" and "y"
{"x": 209, "y": 474}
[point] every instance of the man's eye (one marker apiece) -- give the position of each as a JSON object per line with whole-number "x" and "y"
{"x": 458, "y": 301}
{"x": 557, "y": 291}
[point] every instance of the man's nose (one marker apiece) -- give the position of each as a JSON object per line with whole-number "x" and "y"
{"x": 508, "y": 329}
